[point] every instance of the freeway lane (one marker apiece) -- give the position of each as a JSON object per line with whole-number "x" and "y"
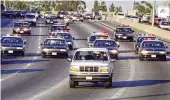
{"x": 132, "y": 80}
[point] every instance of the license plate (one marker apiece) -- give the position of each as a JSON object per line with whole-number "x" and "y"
{"x": 88, "y": 78}
{"x": 54, "y": 53}
{"x": 10, "y": 51}
{"x": 124, "y": 37}
{"x": 51, "y": 22}
{"x": 153, "y": 56}
{"x": 21, "y": 31}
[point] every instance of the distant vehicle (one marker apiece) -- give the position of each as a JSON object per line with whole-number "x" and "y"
{"x": 47, "y": 14}
{"x": 141, "y": 38}
{"x": 97, "y": 16}
{"x": 145, "y": 18}
{"x": 121, "y": 15}
{"x": 88, "y": 16}
{"x": 61, "y": 14}
{"x": 152, "y": 49}
{"x": 110, "y": 44}
{"x": 21, "y": 27}
{"x": 21, "y": 14}
{"x": 53, "y": 46}
{"x": 57, "y": 28}
{"x": 13, "y": 45}
{"x": 135, "y": 18}
{"x": 165, "y": 25}
{"x": 51, "y": 20}
{"x": 77, "y": 17}
{"x": 91, "y": 65}
{"x": 31, "y": 18}
{"x": 96, "y": 35}
{"x": 124, "y": 32}
{"x": 68, "y": 20}
{"x": 37, "y": 13}
{"x": 9, "y": 13}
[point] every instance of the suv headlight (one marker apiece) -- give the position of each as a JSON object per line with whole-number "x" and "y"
{"x": 45, "y": 49}
{"x": 17, "y": 29}
{"x": 114, "y": 51}
{"x": 69, "y": 42}
{"x": 3, "y": 48}
{"x": 19, "y": 48}
{"x": 74, "y": 68}
{"x": 104, "y": 69}
{"x": 162, "y": 52}
{"x": 63, "y": 50}
{"x": 25, "y": 29}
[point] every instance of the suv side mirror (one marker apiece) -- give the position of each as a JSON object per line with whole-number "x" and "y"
{"x": 73, "y": 38}
{"x": 69, "y": 59}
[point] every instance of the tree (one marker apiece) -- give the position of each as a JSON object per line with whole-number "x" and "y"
{"x": 169, "y": 4}
{"x": 103, "y": 6}
{"x": 112, "y": 8}
{"x": 96, "y": 6}
{"x": 119, "y": 9}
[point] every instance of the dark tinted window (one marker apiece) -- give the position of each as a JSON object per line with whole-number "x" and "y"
{"x": 54, "y": 42}
{"x": 153, "y": 44}
{"x": 124, "y": 30}
{"x": 64, "y": 35}
{"x": 105, "y": 43}
{"x": 11, "y": 40}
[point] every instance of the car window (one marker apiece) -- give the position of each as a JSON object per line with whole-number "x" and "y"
{"x": 153, "y": 44}
{"x": 63, "y": 35}
{"x": 124, "y": 30}
{"x": 54, "y": 42}
{"x": 11, "y": 40}
{"x": 30, "y": 16}
{"x": 93, "y": 38}
{"x": 105, "y": 43}
{"x": 21, "y": 24}
{"x": 58, "y": 28}
{"x": 91, "y": 55}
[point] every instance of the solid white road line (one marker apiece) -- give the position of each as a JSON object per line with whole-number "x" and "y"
{"x": 131, "y": 77}
{"x": 43, "y": 93}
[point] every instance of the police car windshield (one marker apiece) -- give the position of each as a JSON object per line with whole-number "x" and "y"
{"x": 128, "y": 30}
{"x": 30, "y": 16}
{"x": 140, "y": 39}
{"x": 20, "y": 24}
{"x": 54, "y": 42}
{"x": 58, "y": 27}
{"x": 64, "y": 35}
{"x": 93, "y": 38}
{"x": 153, "y": 44}
{"x": 91, "y": 55}
{"x": 12, "y": 40}
{"x": 105, "y": 43}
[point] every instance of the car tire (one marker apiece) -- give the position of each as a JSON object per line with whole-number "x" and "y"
{"x": 43, "y": 56}
{"x": 141, "y": 58}
{"x": 163, "y": 58}
{"x": 72, "y": 83}
{"x": 108, "y": 84}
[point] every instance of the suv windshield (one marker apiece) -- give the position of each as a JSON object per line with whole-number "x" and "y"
{"x": 12, "y": 40}
{"x": 30, "y": 16}
{"x": 105, "y": 43}
{"x": 21, "y": 24}
{"x": 91, "y": 55}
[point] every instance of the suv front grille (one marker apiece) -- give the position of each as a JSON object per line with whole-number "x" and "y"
{"x": 89, "y": 69}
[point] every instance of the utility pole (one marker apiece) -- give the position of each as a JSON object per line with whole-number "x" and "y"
{"x": 153, "y": 12}
{"x": 134, "y": 5}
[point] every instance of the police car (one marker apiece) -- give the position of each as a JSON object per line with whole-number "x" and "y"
{"x": 96, "y": 35}
{"x": 110, "y": 44}
{"x": 51, "y": 20}
{"x": 142, "y": 37}
{"x": 21, "y": 27}
{"x": 53, "y": 46}
{"x": 57, "y": 28}
{"x": 12, "y": 45}
{"x": 65, "y": 35}
{"x": 124, "y": 32}
{"x": 152, "y": 49}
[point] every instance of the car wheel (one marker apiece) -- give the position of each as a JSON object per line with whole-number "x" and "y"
{"x": 163, "y": 58}
{"x": 108, "y": 84}
{"x": 141, "y": 58}
{"x": 43, "y": 56}
{"x": 72, "y": 84}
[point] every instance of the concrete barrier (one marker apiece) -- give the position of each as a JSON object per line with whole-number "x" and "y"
{"x": 163, "y": 34}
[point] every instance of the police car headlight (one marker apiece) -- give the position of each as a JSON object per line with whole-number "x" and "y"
{"x": 48, "y": 20}
{"x": 144, "y": 52}
{"x": 63, "y": 50}
{"x": 114, "y": 51}
{"x": 3, "y": 48}
{"x": 162, "y": 52}
{"x": 45, "y": 49}
{"x": 25, "y": 29}
{"x": 74, "y": 68}
{"x": 19, "y": 48}
{"x": 17, "y": 29}
{"x": 104, "y": 69}
{"x": 69, "y": 42}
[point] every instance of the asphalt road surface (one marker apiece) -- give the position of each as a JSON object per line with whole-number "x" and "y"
{"x": 35, "y": 78}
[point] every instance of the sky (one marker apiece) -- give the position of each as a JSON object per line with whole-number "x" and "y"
{"x": 125, "y": 4}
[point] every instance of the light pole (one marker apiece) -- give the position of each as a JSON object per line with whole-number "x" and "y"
{"x": 153, "y": 12}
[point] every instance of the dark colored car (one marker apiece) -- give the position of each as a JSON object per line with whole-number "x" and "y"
{"x": 12, "y": 45}
{"x": 124, "y": 33}
{"x": 22, "y": 28}
{"x": 9, "y": 13}
{"x": 54, "y": 47}
{"x": 152, "y": 49}
{"x": 61, "y": 14}
{"x": 111, "y": 45}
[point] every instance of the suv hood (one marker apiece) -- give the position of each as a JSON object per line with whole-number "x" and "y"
{"x": 90, "y": 63}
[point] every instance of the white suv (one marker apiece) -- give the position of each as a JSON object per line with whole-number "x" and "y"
{"x": 31, "y": 18}
{"x": 91, "y": 65}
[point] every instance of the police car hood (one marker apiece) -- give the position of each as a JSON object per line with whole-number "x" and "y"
{"x": 154, "y": 49}
{"x": 55, "y": 47}
{"x": 89, "y": 63}
{"x": 11, "y": 45}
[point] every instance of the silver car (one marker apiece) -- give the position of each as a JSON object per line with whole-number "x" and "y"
{"x": 91, "y": 65}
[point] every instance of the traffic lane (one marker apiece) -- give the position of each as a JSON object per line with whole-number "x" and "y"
{"x": 5, "y": 21}
{"x": 150, "y": 82}
{"x": 13, "y": 91}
